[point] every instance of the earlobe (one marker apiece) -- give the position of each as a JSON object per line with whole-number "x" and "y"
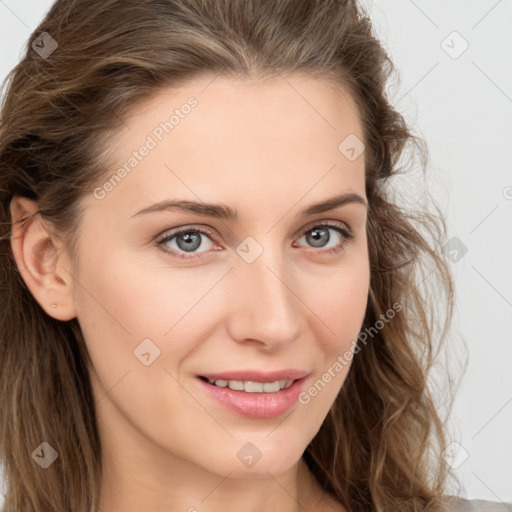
{"x": 41, "y": 260}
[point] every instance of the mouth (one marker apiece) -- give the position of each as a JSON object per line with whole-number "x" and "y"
{"x": 258, "y": 399}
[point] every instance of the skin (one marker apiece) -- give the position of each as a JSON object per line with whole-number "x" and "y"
{"x": 268, "y": 149}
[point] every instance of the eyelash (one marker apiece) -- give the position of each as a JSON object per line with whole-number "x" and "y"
{"x": 346, "y": 233}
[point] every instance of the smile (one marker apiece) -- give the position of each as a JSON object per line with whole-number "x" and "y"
{"x": 252, "y": 399}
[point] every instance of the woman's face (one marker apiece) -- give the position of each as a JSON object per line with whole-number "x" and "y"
{"x": 268, "y": 290}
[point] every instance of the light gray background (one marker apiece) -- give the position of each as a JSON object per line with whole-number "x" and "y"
{"x": 462, "y": 106}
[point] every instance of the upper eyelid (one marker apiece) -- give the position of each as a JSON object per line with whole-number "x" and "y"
{"x": 172, "y": 232}
{"x": 315, "y": 223}
{"x": 211, "y": 232}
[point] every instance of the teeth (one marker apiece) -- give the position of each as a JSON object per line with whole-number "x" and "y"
{"x": 253, "y": 387}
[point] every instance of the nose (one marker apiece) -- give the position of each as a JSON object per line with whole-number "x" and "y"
{"x": 263, "y": 305}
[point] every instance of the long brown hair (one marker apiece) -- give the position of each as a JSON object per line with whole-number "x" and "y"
{"x": 380, "y": 446}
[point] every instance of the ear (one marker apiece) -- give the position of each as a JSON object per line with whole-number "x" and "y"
{"x": 42, "y": 261}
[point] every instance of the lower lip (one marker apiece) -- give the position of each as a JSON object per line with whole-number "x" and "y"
{"x": 256, "y": 405}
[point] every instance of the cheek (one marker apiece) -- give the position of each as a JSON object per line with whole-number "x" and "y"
{"x": 139, "y": 298}
{"x": 340, "y": 303}
{"x": 131, "y": 315}
{"x": 341, "y": 306}
{"x": 139, "y": 321}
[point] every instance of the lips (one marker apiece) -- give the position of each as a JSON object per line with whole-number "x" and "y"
{"x": 256, "y": 375}
{"x": 254, "y": 405}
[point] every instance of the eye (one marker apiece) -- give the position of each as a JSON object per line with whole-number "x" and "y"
{"x": 319, "y": 237}
{"x": 186, "y": 240}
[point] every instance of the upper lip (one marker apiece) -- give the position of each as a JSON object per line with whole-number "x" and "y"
{"x": 257, "y": 376}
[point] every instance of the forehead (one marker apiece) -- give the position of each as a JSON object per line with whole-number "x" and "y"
{"x": 247, "y": 139}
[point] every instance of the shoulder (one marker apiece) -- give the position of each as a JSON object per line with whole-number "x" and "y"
{"x": 456, "y": 504}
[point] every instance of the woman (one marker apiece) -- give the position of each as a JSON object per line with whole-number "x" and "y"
{"x": 209, "y": 299}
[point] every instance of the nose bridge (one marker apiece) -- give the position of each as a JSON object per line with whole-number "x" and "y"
{"x": 267, "y": 309}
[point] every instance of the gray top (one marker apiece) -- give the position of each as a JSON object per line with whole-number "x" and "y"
{"x": 464, "y": 505}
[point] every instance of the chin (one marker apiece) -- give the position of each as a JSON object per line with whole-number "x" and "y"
{"x": 252, "y": 456}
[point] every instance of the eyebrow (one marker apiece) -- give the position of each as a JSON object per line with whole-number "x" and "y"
{"x": 222, "y": 211}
